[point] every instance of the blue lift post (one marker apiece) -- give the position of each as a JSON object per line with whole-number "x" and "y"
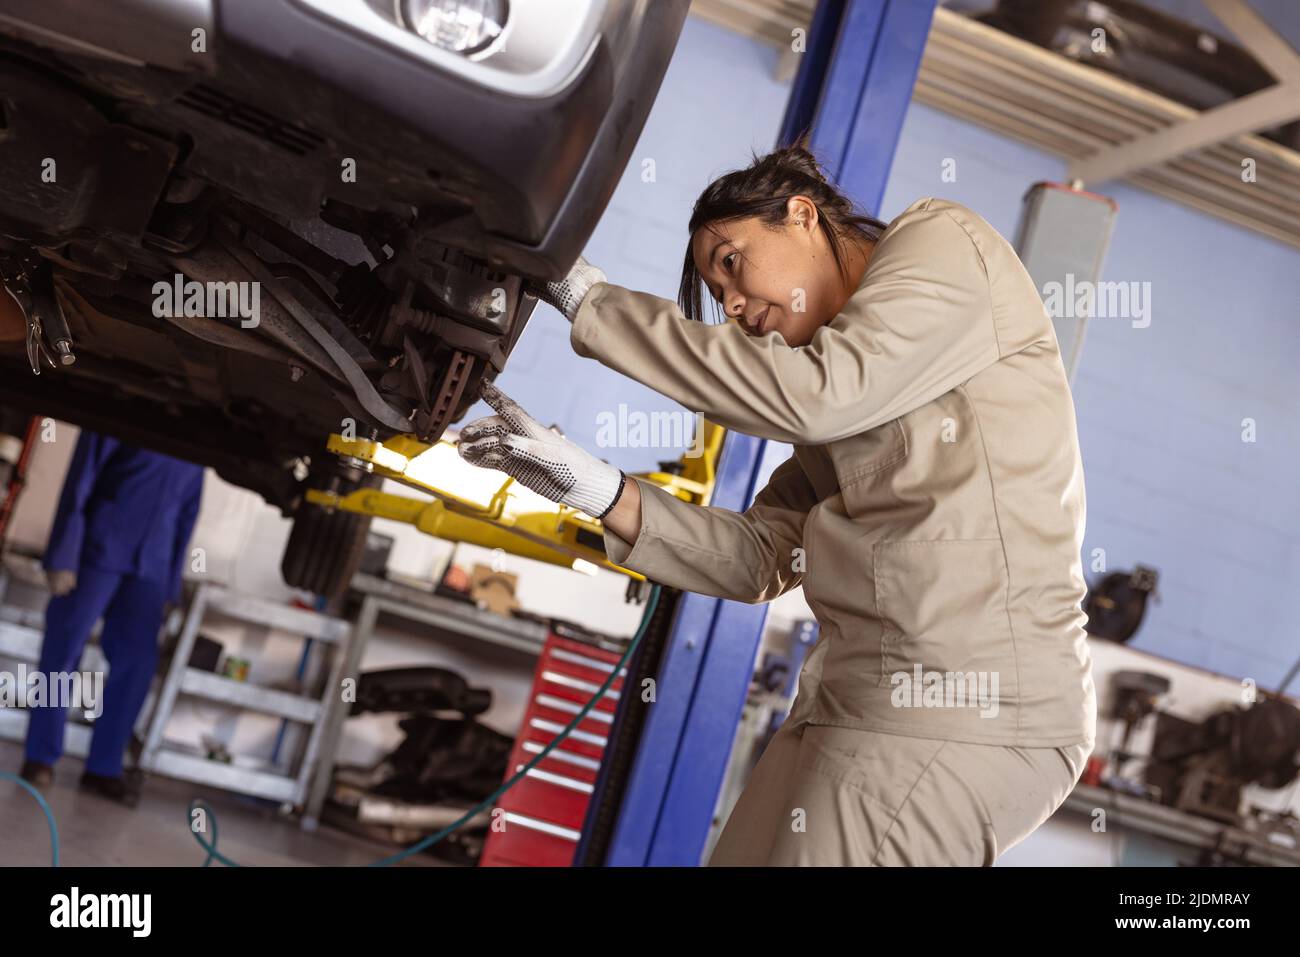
{"x": 852, "y": 91}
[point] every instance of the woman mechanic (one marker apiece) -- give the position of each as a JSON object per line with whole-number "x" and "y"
{"x": 933, "y": 509}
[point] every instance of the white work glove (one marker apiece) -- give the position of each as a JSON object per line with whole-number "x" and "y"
{"x": 539, "y": 458}
{"x": 567, "y": 294}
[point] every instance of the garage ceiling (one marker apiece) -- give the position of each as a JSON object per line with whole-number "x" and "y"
{"x": 769, "y": 20}
{"x": 998, "y": 81}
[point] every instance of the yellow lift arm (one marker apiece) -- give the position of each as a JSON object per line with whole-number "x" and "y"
{"x": 560, "y": 536}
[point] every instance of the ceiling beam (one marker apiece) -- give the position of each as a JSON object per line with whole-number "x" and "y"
{"x": 1265, "y": 108}
{"x": 1268, "y": 107}
{"x": 1257, "y": 36}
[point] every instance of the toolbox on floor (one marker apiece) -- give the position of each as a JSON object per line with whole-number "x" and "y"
{"x": 538, "y": 822}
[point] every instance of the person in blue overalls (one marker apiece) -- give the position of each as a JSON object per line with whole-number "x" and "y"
{"x": 116, "y": 551}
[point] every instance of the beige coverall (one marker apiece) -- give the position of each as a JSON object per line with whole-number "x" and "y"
{"x": 933, "y": 511}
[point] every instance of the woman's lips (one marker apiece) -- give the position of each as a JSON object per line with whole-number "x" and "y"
{"x": 760, "y": 325}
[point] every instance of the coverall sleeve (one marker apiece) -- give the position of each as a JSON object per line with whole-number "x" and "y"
{"x": 67, "y": 534}
{"x": 185, "y": 520}
{"x": 744, "y": 556}
{"x": 919, "y": 325}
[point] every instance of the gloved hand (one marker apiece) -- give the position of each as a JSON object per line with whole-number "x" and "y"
{"x": 61, "y": 582}
{"x": 539, "y": 458}
{"x": 567, "y": 294}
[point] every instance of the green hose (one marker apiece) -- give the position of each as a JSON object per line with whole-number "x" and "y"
{"x": 49, "y": 815}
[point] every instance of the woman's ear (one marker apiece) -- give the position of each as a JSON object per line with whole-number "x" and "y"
{"x": 802, "y": 212}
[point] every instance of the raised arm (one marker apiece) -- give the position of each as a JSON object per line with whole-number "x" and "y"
{"x": 744, "y": 556}
{"x": 920, "y": 324}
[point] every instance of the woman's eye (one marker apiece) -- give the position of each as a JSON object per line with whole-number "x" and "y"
{"x": 726, "y": 261}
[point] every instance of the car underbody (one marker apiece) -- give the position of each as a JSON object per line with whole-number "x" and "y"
{"x": 236, "y": 228}
{"x": 362, "y": 319}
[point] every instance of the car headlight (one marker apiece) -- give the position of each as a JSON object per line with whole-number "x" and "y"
{"x": 462, "y": 26}
{"x": 530, "y": 48}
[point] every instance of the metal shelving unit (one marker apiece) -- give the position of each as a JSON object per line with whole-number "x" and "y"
{"x": 443, "y": 615}
{"x": 292, "y": 789}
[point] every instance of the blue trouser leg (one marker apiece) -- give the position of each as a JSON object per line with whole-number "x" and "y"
{"x": 68, "y": 621}
{"x": 130, "y": 643}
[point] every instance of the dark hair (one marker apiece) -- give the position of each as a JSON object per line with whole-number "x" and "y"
{"x": 763, "y": 189}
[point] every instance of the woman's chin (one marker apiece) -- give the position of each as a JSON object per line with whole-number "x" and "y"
{"x": 794, "y": 338}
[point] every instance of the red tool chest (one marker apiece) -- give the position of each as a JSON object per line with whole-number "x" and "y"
{"x": 537, "y": 823}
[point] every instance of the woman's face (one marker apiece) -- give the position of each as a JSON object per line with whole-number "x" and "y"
{"x": 776, "y": 279}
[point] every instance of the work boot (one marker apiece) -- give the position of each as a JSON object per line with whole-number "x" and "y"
{"x": 115, "y": 789}
{"x": 36, "y": 774}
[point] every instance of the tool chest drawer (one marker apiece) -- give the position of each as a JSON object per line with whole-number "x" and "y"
{"x": 538, "y": 822}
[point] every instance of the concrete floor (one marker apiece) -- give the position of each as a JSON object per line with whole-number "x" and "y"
{"x": 95, "y": 832}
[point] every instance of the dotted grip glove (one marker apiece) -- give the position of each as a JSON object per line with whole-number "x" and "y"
{"x": 567, "y": 294}
{"x": 539, "y": 458}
